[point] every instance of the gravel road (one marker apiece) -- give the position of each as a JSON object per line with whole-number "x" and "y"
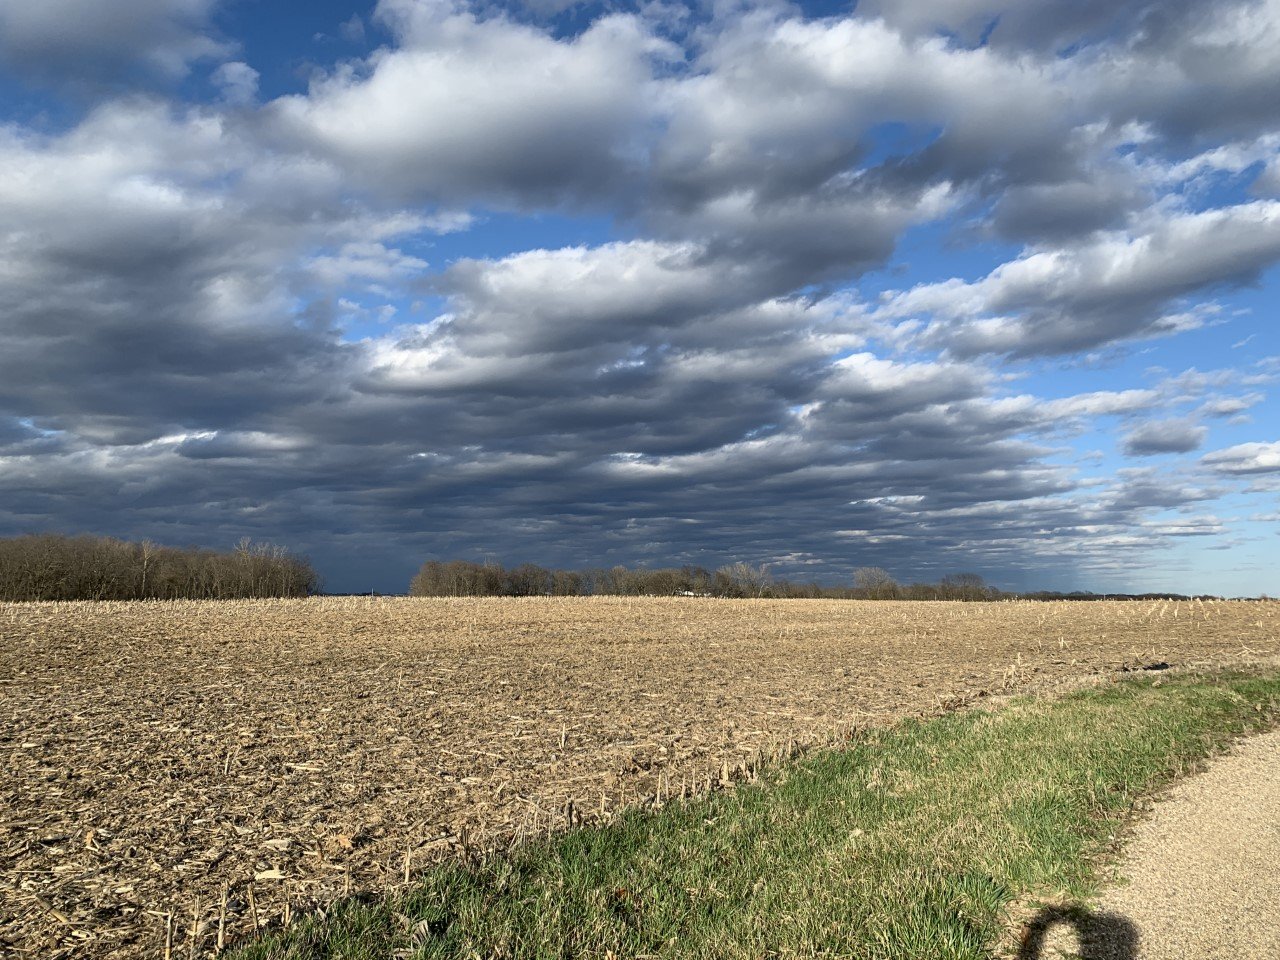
{"x": 1200, "y": 879}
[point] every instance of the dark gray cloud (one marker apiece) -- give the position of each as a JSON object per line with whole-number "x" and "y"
{"x": 1164, "y": 436}
{"x": 1057, "y": 212}
{"x": 62, "y": 41}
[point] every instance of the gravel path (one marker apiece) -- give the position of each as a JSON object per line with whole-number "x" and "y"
{"x": 1201, "y": 877}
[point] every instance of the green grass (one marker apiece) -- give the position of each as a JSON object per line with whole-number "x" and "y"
{"x": 911, "y": 842}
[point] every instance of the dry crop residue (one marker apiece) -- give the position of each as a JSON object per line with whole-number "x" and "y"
{"x": 159, "y": 754}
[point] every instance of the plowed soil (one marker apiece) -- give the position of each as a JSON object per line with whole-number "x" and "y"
{"x": 165, "y": 758}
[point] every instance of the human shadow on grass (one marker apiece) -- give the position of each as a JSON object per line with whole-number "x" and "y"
{"x": 1102, "y": 936}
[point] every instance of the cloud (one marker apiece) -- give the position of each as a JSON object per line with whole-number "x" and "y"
{"x": 1212, "y": 66}
{"x": 1164, "y": 436}
{"x": 618, "y": 290}
{"x": 661, "y": 339}
{"x": 467, "y": 109}
{"x": 68, "y": 40}
{"x": 238, "y": 82}
{"x": 246, "y": 317}
{"x": 352, "y": 30}
{"x": 1246, "y": 458}
{"x": 1268, "y": 182}
{"x": 1060, "y": 211}
{"x": 1108, "y": 288}
{"x": 1232, "y": 406}
{"x": 141, "y": 295}
{"x": 1047, "y": 25}
{"x": 760, "y": 144}
{"x": 784, "y": 111}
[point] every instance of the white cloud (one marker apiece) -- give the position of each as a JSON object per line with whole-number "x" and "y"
{"x": 1114, "y": 287}
{"x": 1232, "y": 406}
{"x": 482, "y": 109}
{"x": 545, "y": 300}
{"x": 238, "y": 82}
{"x": 366, "y": 262}
{"x": 1246, "y": 458}
{"x": 352, "y": 30}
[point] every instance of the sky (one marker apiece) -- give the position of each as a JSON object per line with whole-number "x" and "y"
{"x": 972, "y": 286}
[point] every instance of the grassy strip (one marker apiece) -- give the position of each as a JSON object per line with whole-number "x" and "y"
{"x": 912, "y": 842}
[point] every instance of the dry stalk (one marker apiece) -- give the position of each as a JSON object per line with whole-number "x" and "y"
{"x": 253, "y": 910}
{"x": 222, "y": 921}
{"x": 195, "y": 930}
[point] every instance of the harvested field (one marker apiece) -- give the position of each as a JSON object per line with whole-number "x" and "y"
{"x": 161, "y": 753}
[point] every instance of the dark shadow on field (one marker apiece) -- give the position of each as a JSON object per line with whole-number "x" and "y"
{"x": 1102, "y": 936}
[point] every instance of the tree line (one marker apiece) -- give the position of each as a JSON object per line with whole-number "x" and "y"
{"x": 464, "y": 578}
{"x": 56, "y": 567}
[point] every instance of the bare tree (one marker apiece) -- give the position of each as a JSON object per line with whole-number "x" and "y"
{"x": 875, "y": 583}
{"x": 965, "y": 586}
{"x": 146, "y": 554}
{"x": 743, "y": 579}
{"x": 53, "y": 567}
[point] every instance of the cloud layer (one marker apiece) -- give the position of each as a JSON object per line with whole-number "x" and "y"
{"x": 239, "y": 314}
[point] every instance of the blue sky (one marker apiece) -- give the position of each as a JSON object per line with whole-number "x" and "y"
{"x": 985, "y": 286}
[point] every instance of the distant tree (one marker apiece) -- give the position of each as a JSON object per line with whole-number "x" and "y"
{"x": 964, "y": 586}
{"x": 627, "y": 582}
{"x": 695, "y": 580}
{"x": 921, "y": 591}
{"x": 875, "y": 583}
{"x": 567, "y": 583}
{"x": 663, "y": 582}
{"x": 742, "y": 580}
{"x": 465, "y": 578}
{"x": 55, "y": 567}
{"x": 528, "y": 580}
{"x": 458, "y": 578}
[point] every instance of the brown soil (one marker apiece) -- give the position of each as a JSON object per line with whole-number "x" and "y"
{"x": 159, "y": 753}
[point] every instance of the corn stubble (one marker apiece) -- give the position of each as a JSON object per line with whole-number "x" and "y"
{"x": 182, "y": 775}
